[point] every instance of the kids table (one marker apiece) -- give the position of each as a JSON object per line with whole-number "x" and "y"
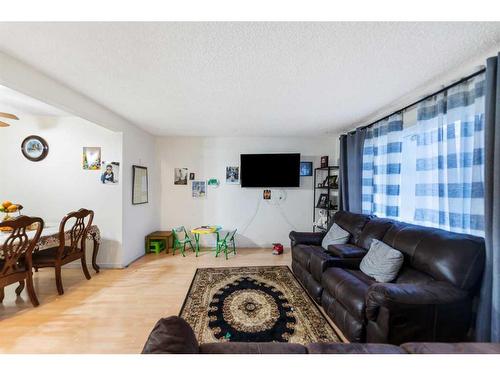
{"x": 207, "y": 229}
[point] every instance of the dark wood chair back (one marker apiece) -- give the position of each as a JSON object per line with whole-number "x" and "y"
{"x": 16, "y": 251}
{"x": 77, "y": 233}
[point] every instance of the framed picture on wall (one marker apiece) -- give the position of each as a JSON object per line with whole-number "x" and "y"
{"x": 199, "y": 189}
{"x": 306, "y": 168}
{"x": 233, "y": 175}
{"x": 91, "y": 158}
{"x": 139, "y": 184}
{"x": 34, "y": 148}
{"x": 111, "y": 172}
{"x": 180, "y": 176}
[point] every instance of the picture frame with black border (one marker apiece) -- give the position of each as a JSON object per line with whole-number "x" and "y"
{"x": 306, "y": 168}
{"x": 322, "y": 201}
{"x": 140, "y": 189}
{"x": 324, "y": 161}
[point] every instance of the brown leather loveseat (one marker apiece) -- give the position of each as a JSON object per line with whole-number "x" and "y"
{"x": 173, "y": 335}
{"x": 430, "y": 300}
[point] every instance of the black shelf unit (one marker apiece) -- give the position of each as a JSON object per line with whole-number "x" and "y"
{"x": 327, "y": 172}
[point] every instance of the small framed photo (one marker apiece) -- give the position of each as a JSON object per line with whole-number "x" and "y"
{"x": 306, "y": 168}
{"x": 324, "y": 161}
{"x": 233, "y": 175}
{"x": 191, "y": 176}
{"x": 180, "y": 176}
{"x": 333, "y": 182}
{"x": 322, "y": 201}
{"x": 91, "y": 158}
{"x": 267, "y": 194}
{"x": 199, "y": 189}
{"x": 110, "y": 172}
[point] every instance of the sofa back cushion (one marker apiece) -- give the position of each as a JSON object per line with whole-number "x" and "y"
{"x": 351, "y": 222}
{"x": 374, "y": 229}
{"x": 445, "y": 256}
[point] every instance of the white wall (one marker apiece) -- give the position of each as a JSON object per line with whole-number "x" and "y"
{"x": 259, "y": 222}
{"x": 453, "y": 74}
{"x": 139, "y": 220}
{"x": 58, "y": 184}
{"x": 138, "y": 145}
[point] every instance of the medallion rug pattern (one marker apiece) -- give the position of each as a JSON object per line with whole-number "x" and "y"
{"x": 253, "y": 304}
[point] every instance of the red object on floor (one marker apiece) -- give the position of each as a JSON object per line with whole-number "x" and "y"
{"x": 277, "y": 249}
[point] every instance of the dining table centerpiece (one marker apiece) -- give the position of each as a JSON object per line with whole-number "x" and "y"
{"x": 6, "y": 209}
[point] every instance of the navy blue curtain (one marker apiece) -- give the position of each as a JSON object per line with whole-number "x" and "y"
{"x": 351, "y": 168}
{"x": 488, "y": 319}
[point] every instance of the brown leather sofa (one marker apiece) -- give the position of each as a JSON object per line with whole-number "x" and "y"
{"x": 430, "y": 300}
{"x": 174, "y": 336}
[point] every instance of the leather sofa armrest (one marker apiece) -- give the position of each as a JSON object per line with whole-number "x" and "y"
{"x": 347, "y": 251}
{"x": 172, "y": 335}
{"x": 404, "y": 296}
{"x": 306, "y": 238}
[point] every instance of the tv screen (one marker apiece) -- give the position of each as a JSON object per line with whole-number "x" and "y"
{"x": 270, "y": 170}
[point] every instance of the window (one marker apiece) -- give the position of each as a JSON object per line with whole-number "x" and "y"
{"x": 425, "y": 165}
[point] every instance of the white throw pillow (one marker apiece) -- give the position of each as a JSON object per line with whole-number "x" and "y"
{"x": 335, "y": 236}
{"x": 382, "y": 262}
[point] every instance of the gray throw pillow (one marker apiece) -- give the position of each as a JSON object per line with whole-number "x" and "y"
{"x": 335, "y": 236}
{"x": 382, "y": 262}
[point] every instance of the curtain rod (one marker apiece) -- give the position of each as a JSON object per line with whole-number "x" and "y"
{"x": 421, "y": 100}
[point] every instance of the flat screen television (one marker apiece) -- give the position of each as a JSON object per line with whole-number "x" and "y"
{"x": 270, "y": 170}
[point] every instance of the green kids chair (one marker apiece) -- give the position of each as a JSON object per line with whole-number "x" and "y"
{"x": 223, "y": 244}
{"x": 181, "y": 238}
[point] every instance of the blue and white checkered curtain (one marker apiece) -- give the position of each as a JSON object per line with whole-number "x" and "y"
{"x": 381, "y": 177}
{"x": 449, "y": 182}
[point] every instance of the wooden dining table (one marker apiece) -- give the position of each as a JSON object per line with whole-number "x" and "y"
{"x": 50, "y": 238}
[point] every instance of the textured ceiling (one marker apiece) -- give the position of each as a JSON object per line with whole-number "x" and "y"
{"x": 245, "y": 78}
{"x": 13, "y": 102}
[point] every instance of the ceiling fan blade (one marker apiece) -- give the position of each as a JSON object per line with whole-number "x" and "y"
{"x": 3, "y": 124}
{"x": 9, "y": 115}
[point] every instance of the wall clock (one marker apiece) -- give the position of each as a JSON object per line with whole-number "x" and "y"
{"x": 34, "y": 148}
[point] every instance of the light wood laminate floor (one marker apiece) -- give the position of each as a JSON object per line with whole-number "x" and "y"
{"x": 115, "y": 310}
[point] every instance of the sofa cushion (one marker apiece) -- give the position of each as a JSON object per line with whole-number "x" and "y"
{"x": 351, "y": 222}
{"x": 382, "y": 262}
{"x": 252, "y": 348}
{"x": 347, "y": 251}
{"x": 408, "y": 275}
{"x": 335, "y": 235}
{"x": 446, "y": 256}
{"x": 374, "y": 229}
{"x": 349, "y": 288}
{"x": 353, "y": 348}
{"x": 172, "y": 335}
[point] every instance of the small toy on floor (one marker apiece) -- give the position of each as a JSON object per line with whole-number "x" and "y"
{"x": 277, "y": 249}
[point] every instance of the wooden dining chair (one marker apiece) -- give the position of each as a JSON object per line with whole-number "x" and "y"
{"x": 71, "y": 245}
{"x": 16, "y": 255}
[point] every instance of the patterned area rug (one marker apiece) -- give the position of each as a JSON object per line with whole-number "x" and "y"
{"x": 253, "y": 304}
